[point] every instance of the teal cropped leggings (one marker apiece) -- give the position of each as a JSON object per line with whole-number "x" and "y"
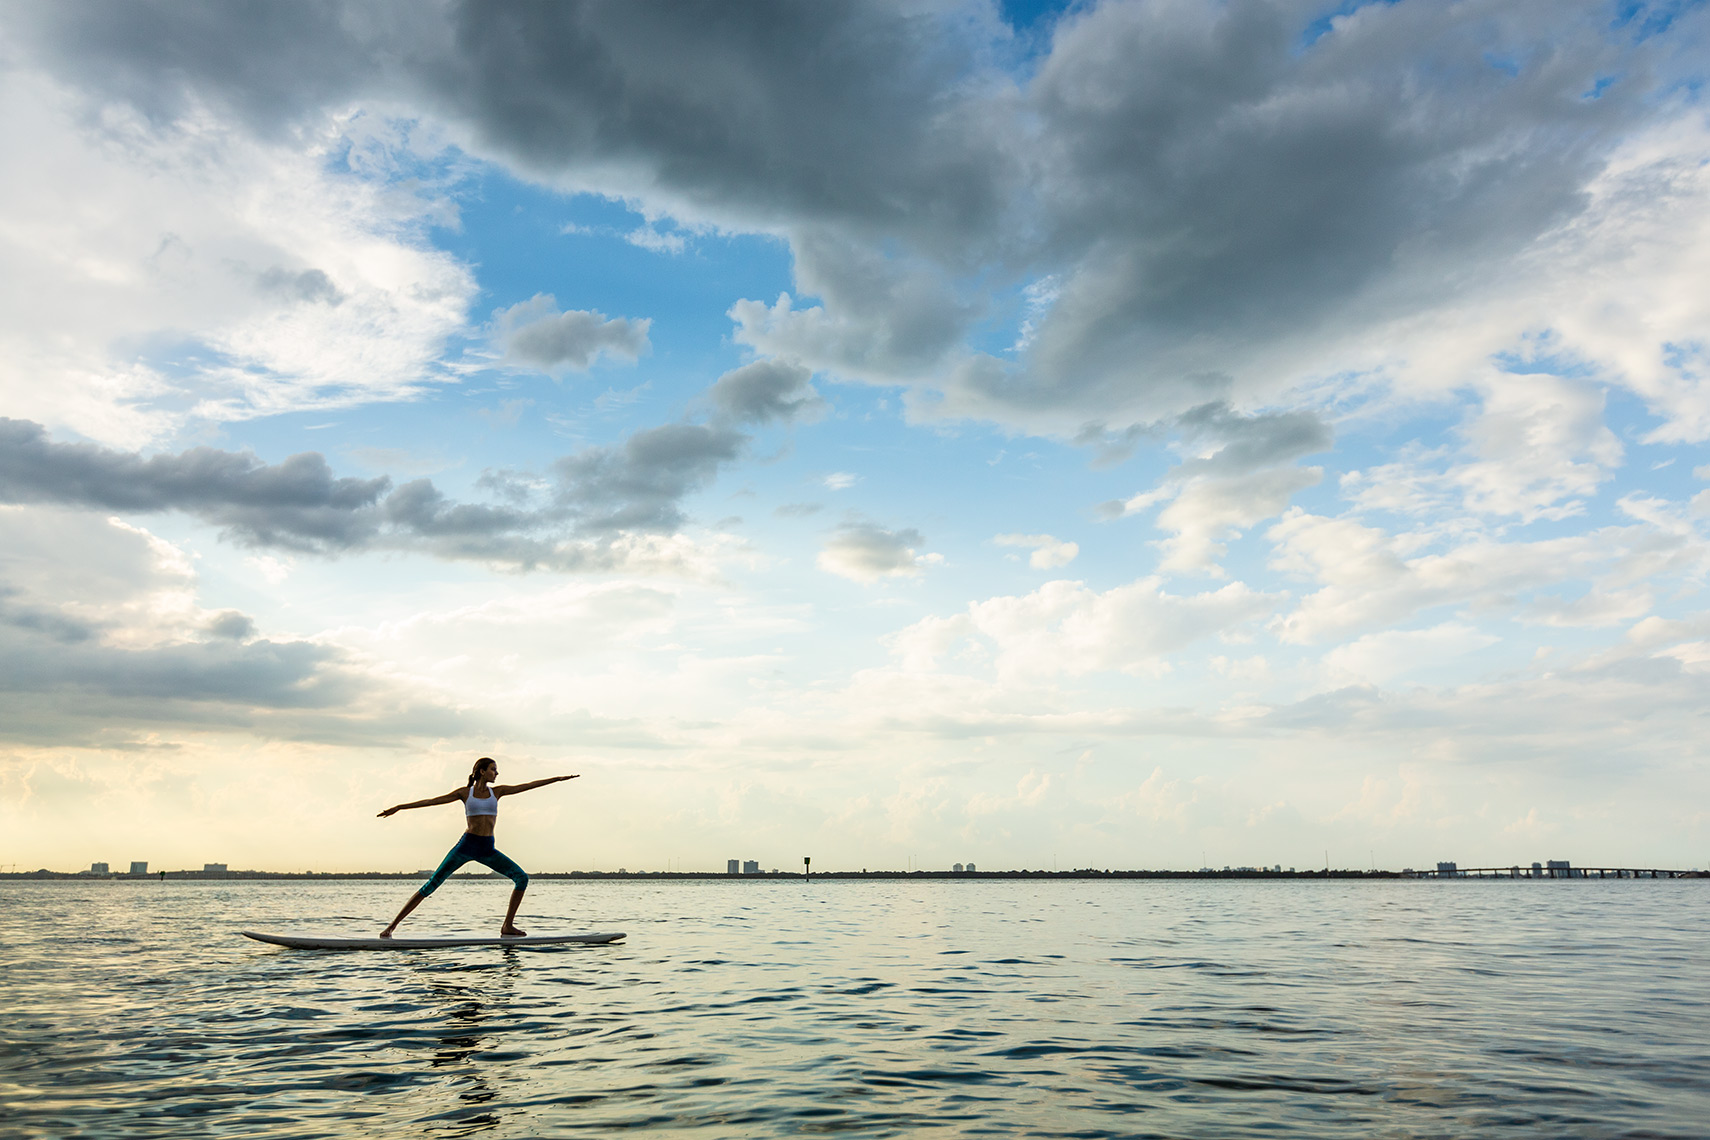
{"x": 475, "y": 849}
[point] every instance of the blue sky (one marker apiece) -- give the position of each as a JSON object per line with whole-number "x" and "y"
{"x": 1124, "y": 434}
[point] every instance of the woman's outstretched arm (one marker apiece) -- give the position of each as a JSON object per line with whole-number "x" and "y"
{"x": 448, "y": 798}
{"x": 513, "y": 789}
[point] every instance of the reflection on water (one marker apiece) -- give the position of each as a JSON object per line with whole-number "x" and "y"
{"x": 1094, "y": 1009}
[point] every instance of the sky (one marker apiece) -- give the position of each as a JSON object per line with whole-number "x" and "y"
{"x": 1142, "y": 433}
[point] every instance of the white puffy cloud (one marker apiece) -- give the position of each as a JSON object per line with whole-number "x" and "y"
{"x": 1066, "y": 629}
{"x": 1370, "y": 578}
{"x": 1379, "y": 657}
{"x": 1048, "y": 551}
{"x": 1238, "y": 472}
{"x": 1536, "y": 447}
{"x": 200, "y": 272}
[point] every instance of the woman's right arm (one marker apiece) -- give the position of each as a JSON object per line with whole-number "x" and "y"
{"x": 448, "y": 798}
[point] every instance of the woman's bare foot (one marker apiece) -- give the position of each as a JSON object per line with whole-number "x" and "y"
{"x": 512, "y": 931}
{"x": 387, "y": 933}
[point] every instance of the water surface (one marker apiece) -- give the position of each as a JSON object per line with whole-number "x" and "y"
{"x": 869, "y": 1008}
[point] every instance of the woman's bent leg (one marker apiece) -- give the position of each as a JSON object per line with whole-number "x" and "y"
{"x": 501, "y": 863}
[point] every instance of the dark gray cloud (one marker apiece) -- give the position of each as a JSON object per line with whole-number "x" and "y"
{"x": 596, "y": 494}
{"x": 640, "y": 483}
{"x": 1219, "y": 185}
{"x": 1189, "y": 188}
{"x": 757, "y": 111}
{"x": 42, "y": 620}
{"x": 272, "y": 674}
{"x": 71, "y": 690}
{"x": 1247, "y": 443}
{"x": 765, "y": 391}
{"x": 535, "y": 333}
{"x": 310, "y": 286}
{"x": 232, "y": 624}
{"x": 298, "y": 503}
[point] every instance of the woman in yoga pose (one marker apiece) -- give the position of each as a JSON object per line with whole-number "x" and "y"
{"x": 481, "y": 808}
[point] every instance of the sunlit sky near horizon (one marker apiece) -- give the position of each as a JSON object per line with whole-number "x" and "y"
{"x": 1128, "y": 434}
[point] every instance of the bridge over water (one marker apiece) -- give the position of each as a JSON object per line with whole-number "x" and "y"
{"x": 1553, "y": 871}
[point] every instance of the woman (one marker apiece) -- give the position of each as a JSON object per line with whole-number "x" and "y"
{"x": 481, "y": 808}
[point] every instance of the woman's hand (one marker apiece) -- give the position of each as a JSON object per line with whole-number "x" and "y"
{"x": 387, "y": 812}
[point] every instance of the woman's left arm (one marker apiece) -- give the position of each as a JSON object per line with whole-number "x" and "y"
{"x": 513, "y": 789}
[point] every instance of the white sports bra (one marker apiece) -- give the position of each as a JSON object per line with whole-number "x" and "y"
{"x": 480, "y": 805}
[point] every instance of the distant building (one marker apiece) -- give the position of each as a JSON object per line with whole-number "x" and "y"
{"x": 957, "y": 868}
{"x": 1559, "y": 868}
{"x": 1445, "y": 868}
{"x": 97, "y": 868}
{"x": 732, "y": 866}
{"x": 139, "y": 867}
{"x": 969, "y": 868}
{"x": 752, "y": 867}
{"x": 213, "y": 868}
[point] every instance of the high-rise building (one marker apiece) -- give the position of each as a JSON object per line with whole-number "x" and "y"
{"x": 751, "y": 867}
{"x": 139, "y": 867}
{"x": 732, "y": 866}
{"x": 957, "y": 868}
{"x": 969, "y": 868}
{"x": 97, "y": 868}
{"x": 213, "y": 868}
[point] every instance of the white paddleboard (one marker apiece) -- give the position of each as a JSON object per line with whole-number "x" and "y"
{"x": 328, "y": 942}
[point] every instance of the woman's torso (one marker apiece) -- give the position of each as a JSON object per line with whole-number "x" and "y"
{"x": 485, "y": 802}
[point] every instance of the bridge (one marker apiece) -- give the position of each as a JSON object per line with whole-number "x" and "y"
{"x": 1554, "y": 870}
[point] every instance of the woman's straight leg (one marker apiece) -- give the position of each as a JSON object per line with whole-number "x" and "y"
{"x": 454, "y": 859}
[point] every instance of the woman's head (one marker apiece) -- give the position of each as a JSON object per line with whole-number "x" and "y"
{"x": 485, "y": 768}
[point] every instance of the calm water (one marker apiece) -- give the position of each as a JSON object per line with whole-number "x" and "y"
{"x": 1180, "y": 1009}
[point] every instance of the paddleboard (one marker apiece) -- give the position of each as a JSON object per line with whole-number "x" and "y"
{"x": 328, "y": 942}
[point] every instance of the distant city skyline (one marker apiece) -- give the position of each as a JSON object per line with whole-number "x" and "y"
{"x": 1139, "y": 433}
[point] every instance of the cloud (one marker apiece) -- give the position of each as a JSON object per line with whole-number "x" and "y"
{"x": 1227, "y": 201}
{"x": 1237, "y": 474}
{"x": 1064, "y": 628}
{"x": 763, "y": 392}
{"x": 535, "y": 333}
{"x": 298, "y": 503}
{"x": 865, "y": 553}
{"x": 607, "y": 506}
{"x": 882, "y": 317}
{"x": 1535, "y": 448}
{"x": 202, "y": 273}
{"x": 309, "y": 286}
{"x": 640, "y": 483}
{"x": 1369, "y": 578}
{"x": 1048, "y": 552}
{"x": 1378, "y": 657}
{"x": 103, "y": 622}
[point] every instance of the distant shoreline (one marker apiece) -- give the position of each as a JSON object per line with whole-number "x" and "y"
{"x": 776, "y": 876}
